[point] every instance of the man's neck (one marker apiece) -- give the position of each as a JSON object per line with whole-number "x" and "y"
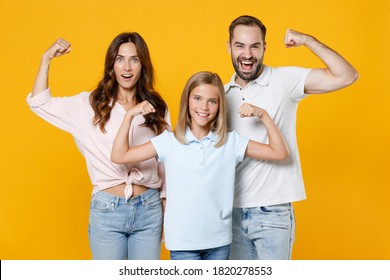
{"x": 243, "y": 83}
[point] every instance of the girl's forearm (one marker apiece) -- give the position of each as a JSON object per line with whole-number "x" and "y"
{"x": 276, "y": 140}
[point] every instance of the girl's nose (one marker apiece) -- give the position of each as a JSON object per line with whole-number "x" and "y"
{"x": 204, "y": 105}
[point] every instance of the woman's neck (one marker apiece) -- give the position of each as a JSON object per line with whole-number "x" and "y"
{"x": 127, "y": 99}
{"x": 126, "y": 96}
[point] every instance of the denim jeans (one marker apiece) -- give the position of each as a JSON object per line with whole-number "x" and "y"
{"x": 263, "y": 233}
{"x": 219, "y": 253}
{"x": 120, "y": 229}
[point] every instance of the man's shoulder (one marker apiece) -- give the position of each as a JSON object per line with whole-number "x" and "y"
{"x": 281, "y": 70}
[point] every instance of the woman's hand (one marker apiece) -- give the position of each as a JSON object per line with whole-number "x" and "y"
{"x": 142, "y": 108}
{"x": 58, "y": 48}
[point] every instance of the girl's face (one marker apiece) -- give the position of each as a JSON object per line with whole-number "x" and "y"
{"x": 127, "y": 67}
{"x": 203, "y": 106}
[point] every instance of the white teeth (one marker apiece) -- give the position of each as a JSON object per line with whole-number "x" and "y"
{"x": 203, "y": 114}
{"x": 127, "y": 76}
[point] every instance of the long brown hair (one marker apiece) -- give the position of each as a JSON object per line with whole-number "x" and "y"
{"x": 219, "y": 124}
{"x": 103, "y": 98}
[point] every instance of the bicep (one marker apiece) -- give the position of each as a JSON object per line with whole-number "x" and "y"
{"x": 258, "y": 151}
{"x": 320, "y": 80}
{"x": 62, "y": 112}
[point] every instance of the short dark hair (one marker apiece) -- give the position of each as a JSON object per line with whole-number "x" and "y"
{"x": 247, "y": 21}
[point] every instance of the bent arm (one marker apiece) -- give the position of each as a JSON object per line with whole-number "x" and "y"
{"x": 339, "y": 73}
{"x": 277, "y": 148}
{"x": 121, "y": 152}
{"x": 58, "y": 48}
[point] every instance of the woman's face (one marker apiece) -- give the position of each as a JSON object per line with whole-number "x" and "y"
{"x": 127, "y": 67}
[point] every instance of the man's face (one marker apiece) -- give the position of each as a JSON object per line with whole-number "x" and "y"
{"x": 247, "y": 51}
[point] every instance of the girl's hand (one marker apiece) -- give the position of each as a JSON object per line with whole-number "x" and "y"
{"x": 142, "y": 108}
{"x": 58, "y": 48}
{"x": 249, "y": 110}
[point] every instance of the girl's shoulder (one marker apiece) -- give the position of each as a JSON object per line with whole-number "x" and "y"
{"x": 234, "y": 136}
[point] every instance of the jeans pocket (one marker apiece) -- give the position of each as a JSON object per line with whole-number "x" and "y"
{"x": 152, "y": 199}
{"x": 153, "y": 202}
{"x": 98, "y": 205}
{"x": 280, "y": 210}
{"x": 274, "y": 225}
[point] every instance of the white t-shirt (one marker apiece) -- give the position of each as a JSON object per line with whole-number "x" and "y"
{"x": 278, "y": 91}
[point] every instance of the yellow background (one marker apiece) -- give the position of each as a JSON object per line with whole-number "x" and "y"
{"x": 343, "y": 136}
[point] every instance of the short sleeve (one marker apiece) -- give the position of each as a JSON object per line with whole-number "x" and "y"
{"x": 293, "y": 80}
{"x": 161, "y": 143}
{"x": 240, "y": 145}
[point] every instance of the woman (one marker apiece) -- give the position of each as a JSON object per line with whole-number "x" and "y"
{"x": 126, "y": 211}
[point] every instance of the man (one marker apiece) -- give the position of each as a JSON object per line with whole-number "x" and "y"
{"x": 263, "y": 217}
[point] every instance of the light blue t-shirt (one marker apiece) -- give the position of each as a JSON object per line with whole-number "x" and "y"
{"x": 200, "y": 189}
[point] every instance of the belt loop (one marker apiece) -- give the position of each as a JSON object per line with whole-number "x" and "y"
{"x": 142, "y": 199}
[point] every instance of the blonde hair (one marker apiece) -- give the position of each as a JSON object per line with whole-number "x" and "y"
{"x": 218, "y": 124}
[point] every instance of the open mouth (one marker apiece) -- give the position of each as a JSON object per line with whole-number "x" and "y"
{"x": 127, "y": 76}
{"x": 202, "y": 115}
{"x": 247, "y": 65}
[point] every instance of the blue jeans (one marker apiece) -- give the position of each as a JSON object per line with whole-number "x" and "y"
{"x": 263, "y": 233}
{"x": 120, "y": 229}
{"x": 219, "y": 253}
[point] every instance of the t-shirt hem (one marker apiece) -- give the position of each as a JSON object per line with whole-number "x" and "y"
{"x": 267, "y": 203}
{"x": 197, "y": 247}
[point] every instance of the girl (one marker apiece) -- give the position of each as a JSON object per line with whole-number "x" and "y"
{"x": 126, "y": 212}
{"x": 200, "y": 159}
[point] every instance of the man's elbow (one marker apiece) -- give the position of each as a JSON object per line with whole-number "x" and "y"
{"x": 351, "y": 78}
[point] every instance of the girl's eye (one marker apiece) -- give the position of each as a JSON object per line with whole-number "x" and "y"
{"x": 135, "y": 59}
{"x": 119, "y": 59}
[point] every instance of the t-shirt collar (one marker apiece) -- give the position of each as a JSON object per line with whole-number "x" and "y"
{"x": 262, "y": 80}
{"x": 191, "y": 138}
